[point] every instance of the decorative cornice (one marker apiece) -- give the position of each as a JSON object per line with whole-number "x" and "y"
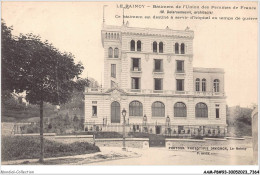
{"x": 159, "y": 35}
{"x": 163, "y": 95}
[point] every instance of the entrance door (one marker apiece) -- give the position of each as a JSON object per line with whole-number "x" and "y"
{"x": 180, "y": 128}
{"x": 157, "y": 141}
{"x": 115, "y": 112}
{"x": 158, "y": 129}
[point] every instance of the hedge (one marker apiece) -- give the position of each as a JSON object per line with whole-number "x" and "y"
{"x": 27, "y": 147}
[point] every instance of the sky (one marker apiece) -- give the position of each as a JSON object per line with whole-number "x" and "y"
{"x": 76, "y": 27}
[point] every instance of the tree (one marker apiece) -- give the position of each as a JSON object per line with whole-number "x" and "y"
{"x": 39, "y": 69}
{"x": 9, "y": 67}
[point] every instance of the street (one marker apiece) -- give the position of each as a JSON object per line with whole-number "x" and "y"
{"x": 163, "y": 156}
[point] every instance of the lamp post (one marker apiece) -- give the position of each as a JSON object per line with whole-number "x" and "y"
{"x": 167, "y": 125}
{"x": 145, "y": 119}
{"x": 124, "y": 114}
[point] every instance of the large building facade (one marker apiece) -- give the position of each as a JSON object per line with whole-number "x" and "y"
{"x": 149, "y": 73}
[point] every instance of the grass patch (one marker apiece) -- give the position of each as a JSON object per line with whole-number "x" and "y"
{"x": 25, "y": 147}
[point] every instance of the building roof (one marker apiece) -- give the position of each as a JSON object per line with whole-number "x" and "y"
{"x": 208, "y": 70}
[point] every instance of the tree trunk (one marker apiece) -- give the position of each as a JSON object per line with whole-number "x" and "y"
{"x": 41, "y": 132}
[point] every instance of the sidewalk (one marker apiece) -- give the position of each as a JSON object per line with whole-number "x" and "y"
{"x": 106, "y": 154}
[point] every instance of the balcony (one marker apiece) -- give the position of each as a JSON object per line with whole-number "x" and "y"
{"x": 136, "y": 71}
{"x": 158, "y": 72}
{"x": 180, "y": 72}
{"x": 158, "y": 91}
{"x": 135, "y": 90}
{"x": 180, "y": 92}
{"x": 208, "y": 93}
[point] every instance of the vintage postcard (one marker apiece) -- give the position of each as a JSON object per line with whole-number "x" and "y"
{"x": 129, "y": 83}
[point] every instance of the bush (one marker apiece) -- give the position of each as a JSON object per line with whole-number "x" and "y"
{"x": 24, "y": 147}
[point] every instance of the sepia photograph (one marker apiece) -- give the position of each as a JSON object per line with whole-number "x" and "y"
{"x": 129, "y": 83}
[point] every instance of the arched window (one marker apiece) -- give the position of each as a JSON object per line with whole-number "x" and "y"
{"x": 161, "y": 47}
{"x": 182, "y": 48}
{"x": 158, "y": 109}
{"x": 110, "y": 52}
{"x": 201, "y": 110}
{"x": 108, "y": 35}
{"x": 176, "y": 48}
{"x": 117, "y": 36}
{"x": 197, "y": 85}
{"x": 216, "y": 85}
{"x": 180, "y": 110}
{"x": 114, "y": 36}
{"x": 135, "y": 108}
{"x": 203, "y": 85}
{"x": 139, "y": 45}
{"x": 116, "y": 52}
{"x": 154, "y": 46}
{"x": 132, "y": 45}
{"x": 115, "y": 112}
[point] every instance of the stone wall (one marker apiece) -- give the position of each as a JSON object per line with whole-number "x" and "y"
{"x": 131, "y": 144}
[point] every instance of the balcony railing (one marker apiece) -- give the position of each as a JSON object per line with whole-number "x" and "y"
{"x": 179, "y": 71}
{"x": 136, "y": 69}
{"x": 158, "y": 70}
{"x": 135, "y": 90}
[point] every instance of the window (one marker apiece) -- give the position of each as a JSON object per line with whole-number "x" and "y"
{"x": 158, "y": 66}
{"x": 216, "y": 85}
{"x": 113, "y": 84}
{"x": 197, "y": 84}
{"x": 135, "y": 108}
{"x": 204, "y": 85}
{"x": 180, "y": 110}
{"x": 115, "y": 112}
{"x": 154, "y": 46}
{"x": 158, "y": 84}
{"x": 113, "y": 70}
{"x": 182, "y": 48}
{"x": 139, "y": 45}
{"x": 176, "y": 48}
{"x": 158, "y": 109}
{"x": 201, "y": 110}
{"x": 179, "y": 84}
{"x": 94, "y": 110}
{"x": 108, "y": 35}
{"x": 117, "y": 36}
{"x": 161, "y": 47}
{"x": 132, "y": 47}
{"x": 110, "y": 52}
{"x": 180, "y": 66}
{"x": 217, "y": 111}
{"x": 136, "y": 64}
{"x": 116, "y": 52}
{"x": 135, "y": 83}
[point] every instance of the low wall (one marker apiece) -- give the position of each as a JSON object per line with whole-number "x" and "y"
{"x": 36, "y": 134}
{"x": 132, "y": 144}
